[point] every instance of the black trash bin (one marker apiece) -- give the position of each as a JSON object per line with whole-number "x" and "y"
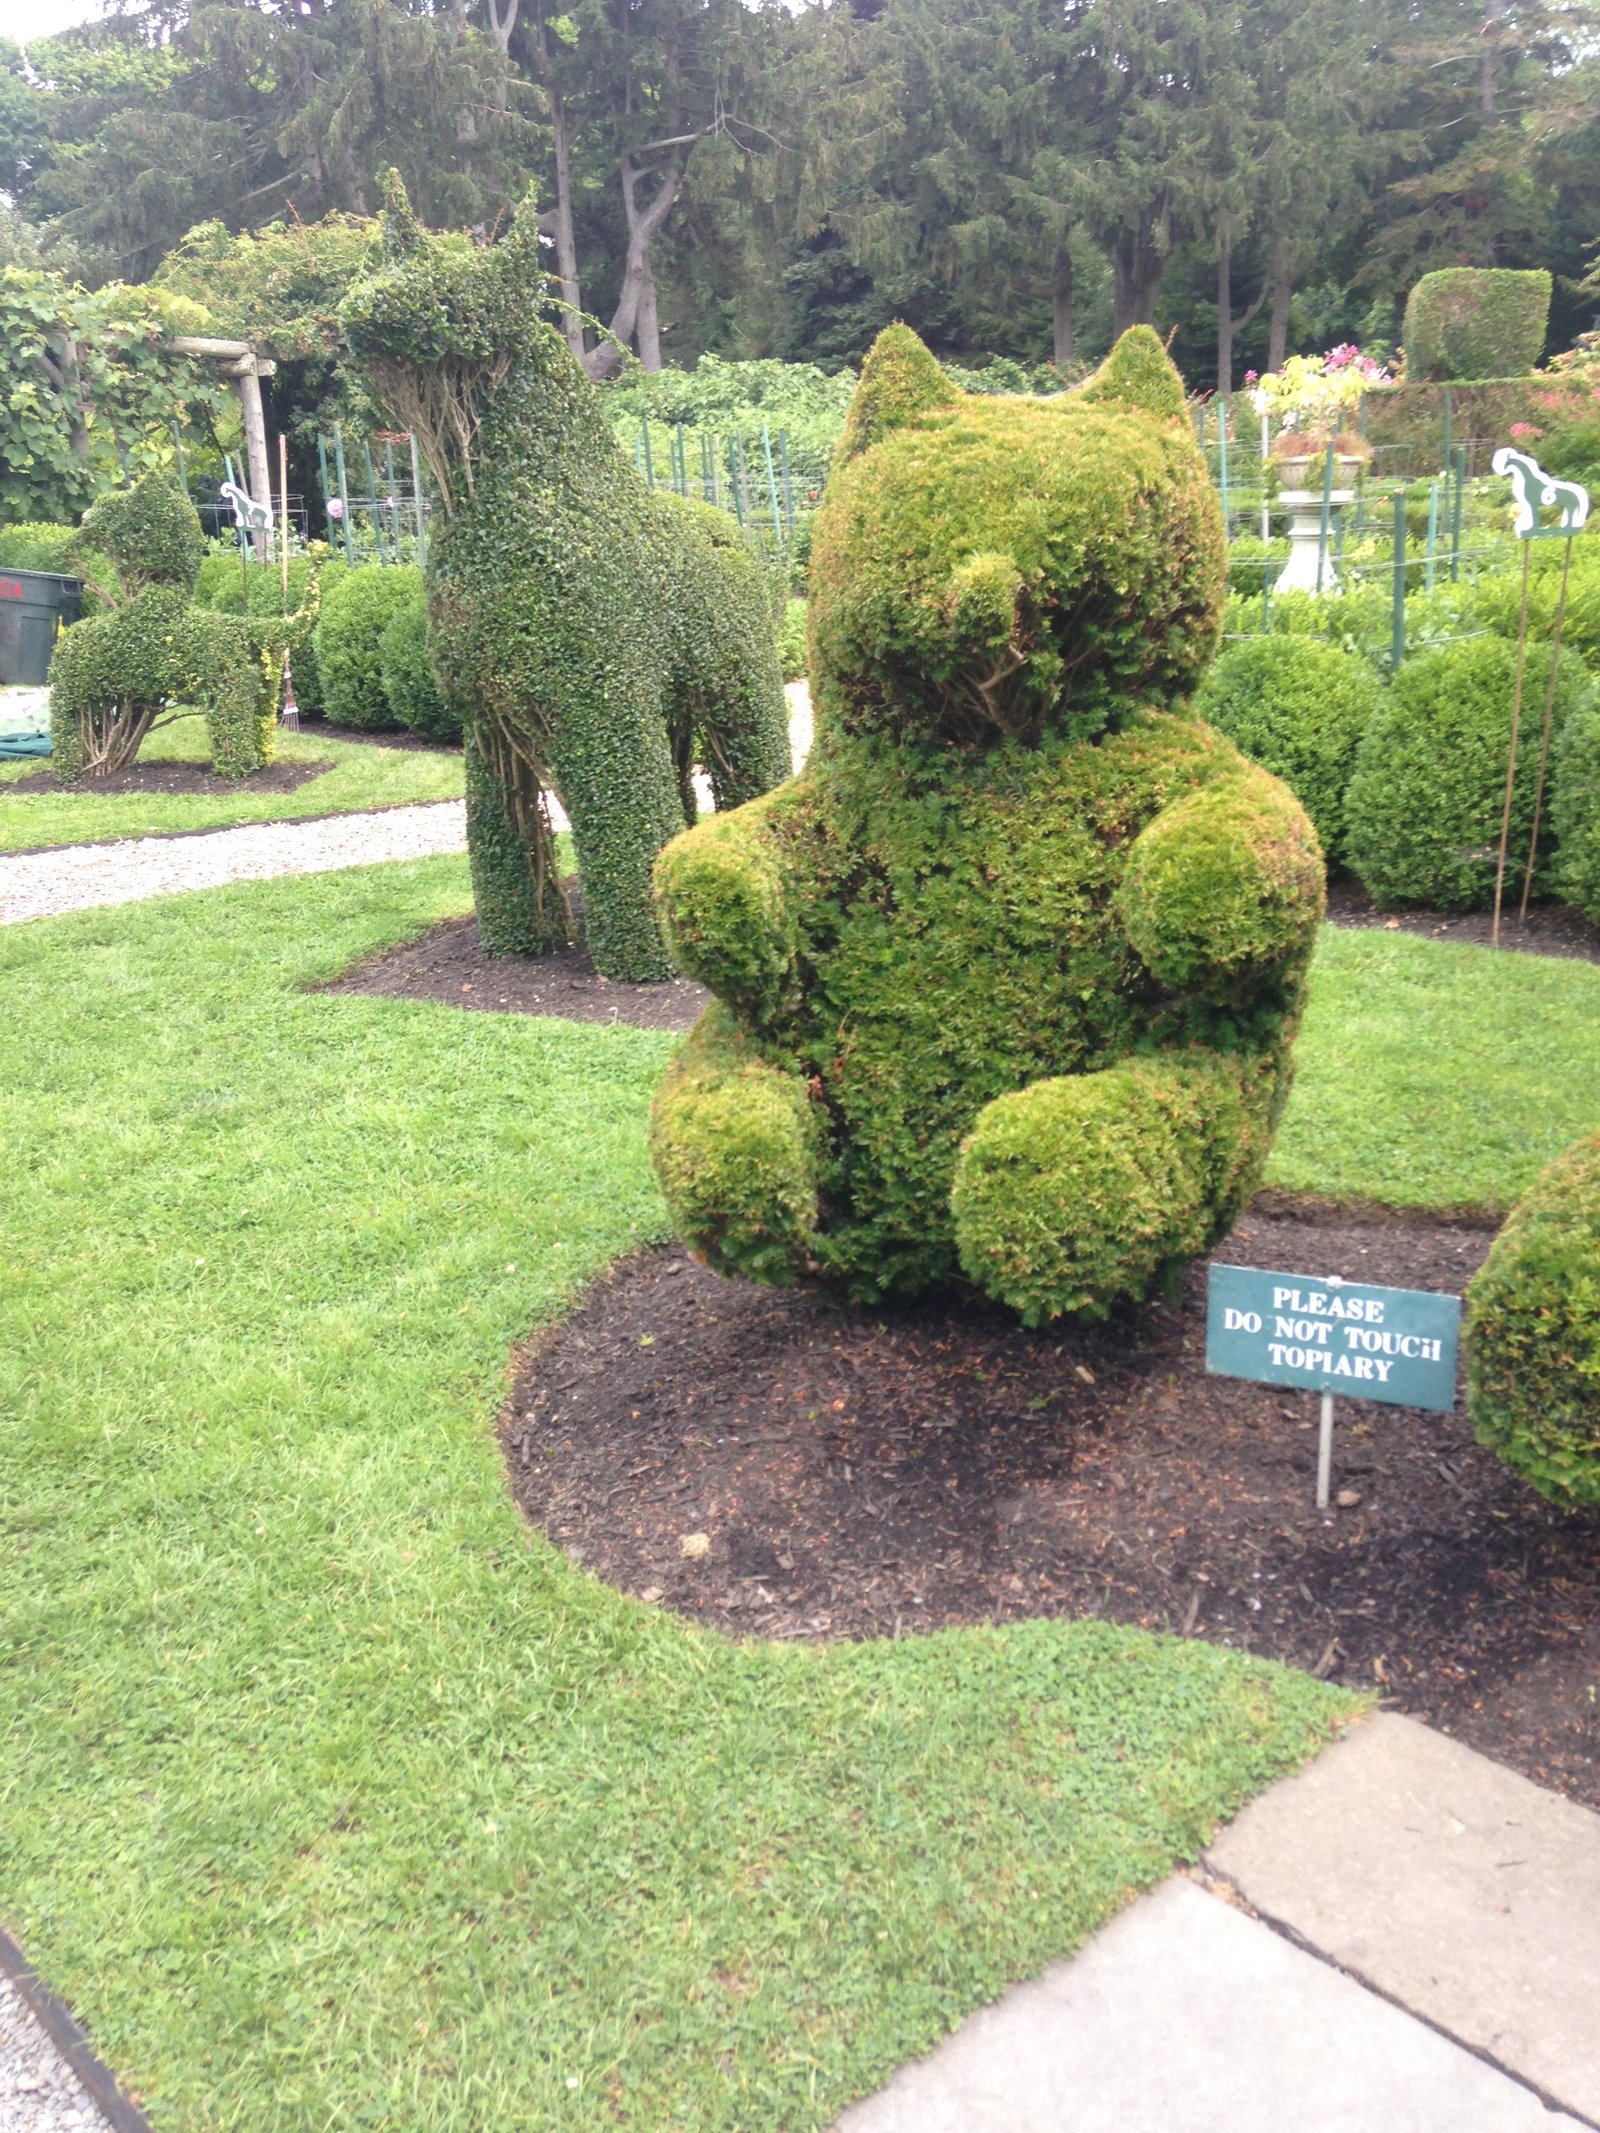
{"x": 34, "y": 606}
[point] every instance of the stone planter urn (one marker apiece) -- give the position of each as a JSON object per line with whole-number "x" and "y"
{"x": 1300, "y": 494}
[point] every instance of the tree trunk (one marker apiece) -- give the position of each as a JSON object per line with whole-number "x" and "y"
{"x": 1282, "y": 291}
{"x": 1137, "y": 271}
{"x": 1224, "y": 319}
{"x": 1063, "y": 328}
{"x": 562, "y": 229}
{"x": 638, "y": 283}
{"x": 647, "y": 326}
{"x": 1494, "y": 12}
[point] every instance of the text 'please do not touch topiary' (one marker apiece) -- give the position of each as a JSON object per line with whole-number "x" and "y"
{"x": 1006, "y": 980}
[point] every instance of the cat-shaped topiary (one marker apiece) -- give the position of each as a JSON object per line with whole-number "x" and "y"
{"x": 1006, "y": 980}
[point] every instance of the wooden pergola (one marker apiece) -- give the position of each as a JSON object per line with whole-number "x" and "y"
{"x": 241, "y": 361}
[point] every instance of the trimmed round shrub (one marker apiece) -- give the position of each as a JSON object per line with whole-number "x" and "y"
{"x": 1575, "y": 810}
{"x": 1299, "y": 706}
{"x": 1423, "y": 810}
{"x": 36, "y": 544}
{"x": 1476, "y": 322}
{"x": 220, "y": 587}
{"x": 408, "y": 679}
{"x": 1532, "y": 1334}
{"x": 1496, "y": 600}
{"x": 349, "y": 641}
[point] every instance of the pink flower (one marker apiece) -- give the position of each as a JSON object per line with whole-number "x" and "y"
{"x": 1251, "y": 376}
{"x": 1522, "y": 431}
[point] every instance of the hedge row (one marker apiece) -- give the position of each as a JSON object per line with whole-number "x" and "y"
{"x": 1406, "y": 784}
{"x": 1476, "y": 322}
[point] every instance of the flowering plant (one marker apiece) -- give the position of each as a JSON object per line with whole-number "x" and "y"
{"x": 1311, "y": 396}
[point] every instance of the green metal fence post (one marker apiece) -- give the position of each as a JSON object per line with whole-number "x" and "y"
{"x": 733, "y": 482}
{"x": 372, "y": 501}
{"x": 649, "y": 463}
{"x": 183, "y": 465}
{"x": 1433, "y": 533}
{"x": 1448, "y": 453}
{"x": 1397, "y": 648}
{"x": 788, "y": 489}
{"x": 1455, "y": 529}
{"x": 344, "y": 492}
{"x": 322, "y": 473}
{"x": 742, "y": 481}
{"x": 391, "y": 491}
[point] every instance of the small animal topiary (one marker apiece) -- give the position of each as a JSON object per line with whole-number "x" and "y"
{"x": 1006, "y": 980}
{"x": 597, "y": 638}
{"x": 1532, "y": 1334}
{"x": 1298, "y": 706}
{"x": 151, "y": 653}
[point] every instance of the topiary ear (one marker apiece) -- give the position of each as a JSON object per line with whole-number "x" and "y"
{"x": 1139, "y": 373}
{"x": 402, "y": 233}
{"x": 900, "y": 382}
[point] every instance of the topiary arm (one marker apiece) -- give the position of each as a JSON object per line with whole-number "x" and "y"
{"x": 734, "y": 1145}
{"x": 721, "y": 901}
{"x": 1224, "y": 887}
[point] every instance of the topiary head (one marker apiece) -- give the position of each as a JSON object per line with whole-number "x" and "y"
{"x": 440, "y": 324}
{"x": 987, "y": 568}
{"x": 151, "y": 533}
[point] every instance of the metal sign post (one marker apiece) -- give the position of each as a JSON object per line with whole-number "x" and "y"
{"x": 1322, "y": 1333}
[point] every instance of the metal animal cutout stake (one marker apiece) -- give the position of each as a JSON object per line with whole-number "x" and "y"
{"x": 1534, "y": 491}
{"x": 248, "y": 515}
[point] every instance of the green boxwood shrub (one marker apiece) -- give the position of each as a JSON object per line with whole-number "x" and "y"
{"x": 1299, "y": 707}
{"x": 1423, "y": 809}
{"x": 1575, "y": 810}
{"x": 1476, "y": 322}
{"x": 36, "y": 544}
{"x": 408, "y": 679}
{"x": 348, "y": 640}
{"x": 220, "y": 586}
{"x": 1532, "y": 1334}
{"x": 1496, "y": 598}
{"x": 1005, "y": 980}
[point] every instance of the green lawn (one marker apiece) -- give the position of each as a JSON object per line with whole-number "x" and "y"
{"x": 1435, "y": 1076}
{"x": 330, "y": 1796}
{"x": 361, "y": 775}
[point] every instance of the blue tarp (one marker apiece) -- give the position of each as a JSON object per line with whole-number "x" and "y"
{"x": 12, "y": 744}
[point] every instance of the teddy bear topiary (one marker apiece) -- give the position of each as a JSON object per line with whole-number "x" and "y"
{"x": 1006, "y": 981}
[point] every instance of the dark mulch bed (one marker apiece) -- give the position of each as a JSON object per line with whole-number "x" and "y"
{"x": 868, "y": 1474}
{"x": 1551, "y": 929}
{"x": 400, "y": 738}
{"x": 448, "y": 964}
{"x": 177, "y": 777}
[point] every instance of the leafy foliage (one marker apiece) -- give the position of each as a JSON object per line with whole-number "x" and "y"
{"x": 792, "y": 641}
{"x": 1299, "y": 707}
{"x": 86, "y": 377}
{"x": 408, "y": 680}
{"x": 596, "y": 637}
{"x": 1423, "y": 810}
{"x": 1575, "y": 809}
{"x": 36, "y": 545}
{"x": 1476, "y": 322}
{"x": 1532, "y": 1334}
{"x": 1005, "y": 980}
{"x": 221, "y": 585}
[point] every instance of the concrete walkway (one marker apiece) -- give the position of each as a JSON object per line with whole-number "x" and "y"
{"x": 1405, "y": 1938}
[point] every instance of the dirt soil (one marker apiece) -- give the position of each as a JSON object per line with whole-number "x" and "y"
{"x": 448, "y": 964}
{"x": 769, "y": 1463}
{"x": 1551, "y": 929}
{"x": 177, "y": 777}
{"x": 311, "y": 726}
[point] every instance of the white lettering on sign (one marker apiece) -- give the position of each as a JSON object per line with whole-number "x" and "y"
{"x": 1334, "y": 1366}
{"x": 1238, "y": 1321}
{"x": 1323, "y": 1306}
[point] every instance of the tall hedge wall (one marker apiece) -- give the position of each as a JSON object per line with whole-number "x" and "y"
{"x": 1476, "y": 322}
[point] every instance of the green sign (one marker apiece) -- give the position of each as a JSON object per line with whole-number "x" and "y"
{"x": 1332, "y": 1336}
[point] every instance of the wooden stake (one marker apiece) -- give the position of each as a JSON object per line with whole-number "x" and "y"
{"x": 1511, "y": 765}
{"x": 283, "y": 495}
{"x": 1544, "y": 742}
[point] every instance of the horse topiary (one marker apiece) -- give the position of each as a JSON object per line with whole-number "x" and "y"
{"x": 597, "y": 638}
{"x": 149, "y": 653}
{"x": 1006, "y": 980}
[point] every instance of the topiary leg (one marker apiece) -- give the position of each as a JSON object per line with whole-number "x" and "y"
{"x": 1077, "y": 1191}
{"x": 733, "y": 1142}
{"x": 511, "y": 849}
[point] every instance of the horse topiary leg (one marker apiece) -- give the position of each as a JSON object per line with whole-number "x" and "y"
{"x": 511, "y": 849}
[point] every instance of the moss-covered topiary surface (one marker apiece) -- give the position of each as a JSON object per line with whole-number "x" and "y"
{"x": 1533, "y": 1334}
{"x": 1476, "y": 322}
{"x": 1006, "y": 980}
{"x": 596, "y": 638}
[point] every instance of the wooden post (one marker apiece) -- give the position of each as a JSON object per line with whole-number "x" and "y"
{"x": 283, "y": 498}
{"x": 248, "y": 373}
{"x": 1511, "y": 760}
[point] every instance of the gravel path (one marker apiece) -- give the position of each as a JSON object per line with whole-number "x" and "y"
{"x": 42, "y": 884}
{"x": 37, "y": 2093}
